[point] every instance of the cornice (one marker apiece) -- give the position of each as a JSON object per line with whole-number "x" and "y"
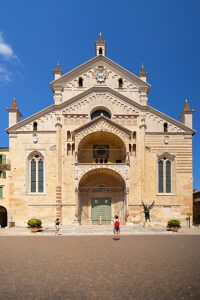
{"x": 168, "y": 133}
{"x": 169, "y": 119}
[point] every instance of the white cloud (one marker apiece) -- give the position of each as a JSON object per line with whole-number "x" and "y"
{"x": 7, "y": 58}
{"x": 5, "y": 75}
{"x": 6, "y": 50}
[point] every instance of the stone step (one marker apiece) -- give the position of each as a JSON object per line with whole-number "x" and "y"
{"x": 87, "y": 229}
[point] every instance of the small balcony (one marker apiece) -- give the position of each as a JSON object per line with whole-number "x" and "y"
{"x": 102, "y": 155}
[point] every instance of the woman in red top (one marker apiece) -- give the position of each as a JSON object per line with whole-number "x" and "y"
{"x": 116, "y": 229}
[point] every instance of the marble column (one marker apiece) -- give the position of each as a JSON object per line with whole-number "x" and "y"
{"x": 77, "y": 207}
{"x": 59, "y": 171}
{"x": 143, "y": 155}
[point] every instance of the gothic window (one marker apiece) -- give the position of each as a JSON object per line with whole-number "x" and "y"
{"x": 36, "y": 174}
{"x": 165, "y": 175}
{"x": 165, "y": 127}
{"x": 100, "y": 112}
{"x": 120, "y": 81}
{"x": 35, "y": 126}
{"x": 80, "y": 82}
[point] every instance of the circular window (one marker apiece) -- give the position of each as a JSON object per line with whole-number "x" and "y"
{"x": 100, "y": 112}
{"x": 101, "y": 151}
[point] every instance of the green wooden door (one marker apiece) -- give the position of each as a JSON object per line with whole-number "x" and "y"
{"x": 101, "y": 207}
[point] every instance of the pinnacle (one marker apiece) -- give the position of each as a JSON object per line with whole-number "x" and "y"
{"x": 186, "y": 106}
{"x": 14, "y": 104}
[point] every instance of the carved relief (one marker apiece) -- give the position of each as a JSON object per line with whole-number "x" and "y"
{"x": 100, "y": 74}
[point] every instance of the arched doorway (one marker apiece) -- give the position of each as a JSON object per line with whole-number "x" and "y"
{"x": 3, "y": 216}
{"x": 101, "y": 196}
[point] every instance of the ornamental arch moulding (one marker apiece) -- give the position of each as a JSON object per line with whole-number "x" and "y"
{"x": 122, "y": 174}
{"x": 102, "y": 124}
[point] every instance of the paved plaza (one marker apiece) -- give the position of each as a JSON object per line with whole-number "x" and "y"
{"x": 138, "y": 267}
{"x": 99, "y": 230}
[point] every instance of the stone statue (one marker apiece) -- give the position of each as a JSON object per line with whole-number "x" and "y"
{"x": 147, "y": 210}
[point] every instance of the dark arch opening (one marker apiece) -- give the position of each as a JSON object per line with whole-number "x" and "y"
{"x": 80, "y": 82}
{"x": 35, "y": 126}
{"x": 120, "y": 82}
{"x": 3, "y": 216}
{"x": 165, "y": 127}
{"x": 100, "y": 51}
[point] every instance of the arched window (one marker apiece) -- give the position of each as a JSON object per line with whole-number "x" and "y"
{"x": 100, "y": 112}
{"x": 165, "y": 127}
{"x": 80, "y": 82}
{"x": 164, "y": 175}
{"x": 35, "y": 126}
{"x": 100, "y": 51}
{"x": 36, "y": 174}
{"x": 120, "y": 81}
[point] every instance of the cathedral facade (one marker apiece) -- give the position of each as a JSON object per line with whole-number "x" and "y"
{"x": 98, "y": 151}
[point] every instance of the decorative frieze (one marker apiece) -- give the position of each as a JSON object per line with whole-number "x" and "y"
{"x": 82, "y": 169}
{"x": 116, "y": 105}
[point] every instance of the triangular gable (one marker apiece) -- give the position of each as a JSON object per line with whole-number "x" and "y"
{"x": 87, "y": 65}
{"x": 101, "y": 123}
{"x": 144, "y": 108}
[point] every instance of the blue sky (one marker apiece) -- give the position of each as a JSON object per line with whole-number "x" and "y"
{"x": 162, "y": 34}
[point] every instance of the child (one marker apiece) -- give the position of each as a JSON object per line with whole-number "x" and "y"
{"x": 116, "y": 229}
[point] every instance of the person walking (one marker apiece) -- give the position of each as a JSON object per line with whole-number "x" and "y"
{"x": 116, "y": 229}
{"x": 57, "y": 225}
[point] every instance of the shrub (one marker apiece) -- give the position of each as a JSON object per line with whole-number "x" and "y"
{"x": 32, "y": 223}
{"x": 174, "y": 223}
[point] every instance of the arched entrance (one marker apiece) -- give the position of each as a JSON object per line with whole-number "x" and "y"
{"x": 3, "y": 216}
{"x": 101, "y": 196}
